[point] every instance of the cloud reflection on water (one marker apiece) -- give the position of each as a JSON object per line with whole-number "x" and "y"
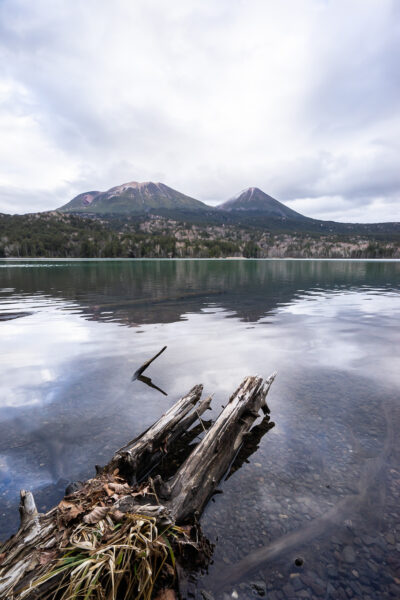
{"x": 69, "y": 400}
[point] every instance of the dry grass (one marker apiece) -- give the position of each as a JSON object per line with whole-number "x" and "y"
{"x": 111, "y": 560}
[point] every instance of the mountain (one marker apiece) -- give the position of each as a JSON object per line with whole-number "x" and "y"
{"x": 136, "y": 220}
{"x": 253, "y": 200}
{"x": 251, "y": 208}
{"x": 133, "y": 198}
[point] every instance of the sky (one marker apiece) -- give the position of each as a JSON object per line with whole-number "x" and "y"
{"x": 300, "y": 98}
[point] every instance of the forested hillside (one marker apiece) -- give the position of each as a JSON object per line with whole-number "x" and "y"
{"x": 72, "y": 236}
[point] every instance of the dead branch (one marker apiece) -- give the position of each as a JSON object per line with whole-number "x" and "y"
{"x": 146, "y": 364}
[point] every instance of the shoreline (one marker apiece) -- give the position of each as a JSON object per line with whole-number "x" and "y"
{"x": 230, "y": 258}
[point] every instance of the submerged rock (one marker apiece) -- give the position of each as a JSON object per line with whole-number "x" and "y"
{"x": 206, "y": 595}
{"x": 259, "y": 587}
{"x": 348, "y": 554}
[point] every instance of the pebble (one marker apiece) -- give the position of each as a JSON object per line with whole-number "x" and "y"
{"x": 288, "y": 590}
{"x": 349, "y": 592}
{"x": 395, "y": 589}
{"x": 368, "y": 540}
{"x": 349, "y": 554}
{"x": 316, "y": 588}
{"x": 330, "y": 590}
{"x": 332, "y": 572}
{"x": 259, "y": 587}
{"x": 296, "y": 583}
{"x": 355, "y": 587}
{"x": 389, "y": 537}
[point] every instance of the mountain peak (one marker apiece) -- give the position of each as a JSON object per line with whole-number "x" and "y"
{"x": 254, "y": 200}
{"x": 136, "y": 185}
{"x": 251, "y": 190}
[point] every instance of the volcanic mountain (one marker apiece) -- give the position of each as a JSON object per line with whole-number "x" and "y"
{"x": 253, "y": 200}
{"x": 133, "y": 198}
{"x": 251, "y": 208}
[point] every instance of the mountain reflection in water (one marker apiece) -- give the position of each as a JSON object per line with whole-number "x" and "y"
{"x": 323, "y": 484}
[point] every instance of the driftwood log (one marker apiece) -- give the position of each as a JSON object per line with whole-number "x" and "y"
{"x": 33, "y": 562}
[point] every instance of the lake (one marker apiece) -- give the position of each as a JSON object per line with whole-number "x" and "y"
{"x": 322, "y": 489}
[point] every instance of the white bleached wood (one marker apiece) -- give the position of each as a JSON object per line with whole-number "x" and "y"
{"x": 198, "y": 477}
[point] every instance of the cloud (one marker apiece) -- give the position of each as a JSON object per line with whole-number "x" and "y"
{"x": 298, "y": 98}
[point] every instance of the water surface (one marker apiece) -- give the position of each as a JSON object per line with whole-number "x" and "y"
{"x": 323, "y": 485}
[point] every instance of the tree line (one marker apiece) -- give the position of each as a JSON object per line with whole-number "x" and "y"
{"x": 53, "y": 235}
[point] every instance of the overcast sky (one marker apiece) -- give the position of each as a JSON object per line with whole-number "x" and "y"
{"x": 298, "y": 97}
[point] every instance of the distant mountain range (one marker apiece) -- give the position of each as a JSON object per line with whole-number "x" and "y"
{"x": 251, "y": 208}
{"x": 152, "y": 220}
{"x": 146, "y": 197}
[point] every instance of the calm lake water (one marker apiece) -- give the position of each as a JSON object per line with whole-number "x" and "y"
{"x": 323, "y": 485}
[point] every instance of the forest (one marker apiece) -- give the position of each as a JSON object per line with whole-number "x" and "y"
{"x": 55, "y": 235}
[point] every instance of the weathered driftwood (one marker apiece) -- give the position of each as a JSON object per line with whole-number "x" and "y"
{"x": 116, "y": 494}
{"x": 146, "y": 364}
{"x": 136, "y": 459}
{"x": 147, "y": 380}
{"x": 198, "y": 477}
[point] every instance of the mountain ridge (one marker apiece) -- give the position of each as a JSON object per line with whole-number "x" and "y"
{"x": 152, "y": 220}
{"x": 251, "y": 208}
